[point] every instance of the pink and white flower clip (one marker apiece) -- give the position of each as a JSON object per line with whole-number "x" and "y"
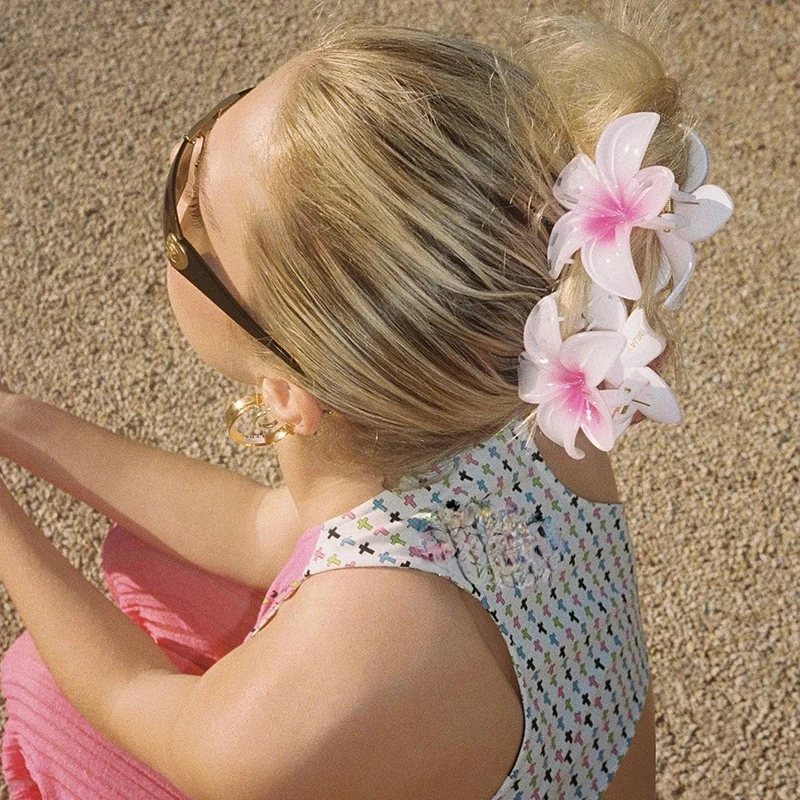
{"x": 598, "y": 378}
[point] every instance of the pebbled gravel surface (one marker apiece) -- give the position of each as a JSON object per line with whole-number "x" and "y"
{"x": 92, "y": 95}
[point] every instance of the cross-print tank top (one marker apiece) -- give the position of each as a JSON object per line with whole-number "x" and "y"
{"x": 555, "y": 572}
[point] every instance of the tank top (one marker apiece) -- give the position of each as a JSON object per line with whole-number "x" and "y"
{"x": 555, "y": 572}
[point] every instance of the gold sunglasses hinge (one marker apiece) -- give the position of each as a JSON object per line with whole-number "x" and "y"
{"x": 176, "y": 252}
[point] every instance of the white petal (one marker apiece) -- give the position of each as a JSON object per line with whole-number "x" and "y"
{"x": 605, "y": 310}
{"x": 682, "y": 197}
{"x": 699, "y": 161}
{"x": 654, "y": 189}
{"x": 666, "y": 223}
{"x": 614, "y": 398}
{"x": 527, "y": 378}
{"x": 657, "y": 400}
{"x": 616, "y": 375}
{"x": 621, "y": 423}
{"x": 712, "y": 210}
{"x": 636, "y": 380}
{"x": 538, "y": 383}
{"x": 597, "y": 424}
{"x": 664, "y": 269}
{"x": 610, "y": 264}
{"x": 578, "y": 181}
{"x": 622, "y": 146}
{"x": 681, "y": 259}
{"x": 542, "y": 334}
{"x": 560, "y": 426}
{"x": 644, "y": 344}
{"x": 566, "y": 238}
{"x": 593, "y": 353}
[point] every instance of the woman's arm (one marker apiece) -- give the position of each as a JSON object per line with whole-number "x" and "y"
{"x": 204, "y": 513}
{"x": 271, "y": 718}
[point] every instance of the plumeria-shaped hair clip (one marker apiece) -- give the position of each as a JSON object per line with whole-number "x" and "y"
{"x": 598, "y": 378}
{"x": 563, "y": 378}
{"x": 607, "y": 198}
{"x": 698, "y": 211}
{"x": 631, "y": 385}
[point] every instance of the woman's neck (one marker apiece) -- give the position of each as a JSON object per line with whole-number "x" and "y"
{"x": 321, "y": 489}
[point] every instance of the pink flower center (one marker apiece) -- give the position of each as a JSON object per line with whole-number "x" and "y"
{"x": 602, "y": 220}
{"x": 577, "y": 398}
{"x": 574, "y": 391}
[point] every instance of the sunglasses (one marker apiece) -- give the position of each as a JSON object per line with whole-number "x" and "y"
{"x": 184, "y": 258}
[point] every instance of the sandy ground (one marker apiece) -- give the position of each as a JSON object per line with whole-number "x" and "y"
{"x": 94, "y": 93}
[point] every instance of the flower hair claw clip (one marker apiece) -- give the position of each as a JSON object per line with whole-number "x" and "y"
{"x": 597, "y": 379}
{"x": 563, "y": 378}
{"x": 610, "y": 196}
{"x": 631, "y": 385}
{"x": 696, "y": 211}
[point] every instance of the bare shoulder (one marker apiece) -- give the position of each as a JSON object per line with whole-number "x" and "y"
{"x": 591, "y": 477}
{"x": 402, "y": 695}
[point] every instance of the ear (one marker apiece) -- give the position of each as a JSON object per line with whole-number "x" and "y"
{"x": 291, "y": 403}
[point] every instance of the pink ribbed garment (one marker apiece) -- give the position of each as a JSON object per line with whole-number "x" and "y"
{"x": 49, "y": 750}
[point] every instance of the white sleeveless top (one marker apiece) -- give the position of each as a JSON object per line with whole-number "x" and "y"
{"x": 555, "y": 572}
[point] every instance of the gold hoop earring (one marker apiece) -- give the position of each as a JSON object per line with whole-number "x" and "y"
{"x": 272, "y": 431}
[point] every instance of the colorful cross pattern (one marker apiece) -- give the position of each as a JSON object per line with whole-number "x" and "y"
{"x": 555, "y": 572}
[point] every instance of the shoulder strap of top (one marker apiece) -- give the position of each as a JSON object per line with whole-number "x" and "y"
{"x": 469, "y": 524}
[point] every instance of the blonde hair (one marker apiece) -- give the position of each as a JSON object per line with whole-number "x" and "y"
{"x": 401, "y": 240}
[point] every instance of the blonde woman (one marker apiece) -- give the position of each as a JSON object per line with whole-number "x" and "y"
{"x": 361, "y": 237}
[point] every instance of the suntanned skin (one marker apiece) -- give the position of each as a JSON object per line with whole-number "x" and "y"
{"x": 316, "y": 488}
